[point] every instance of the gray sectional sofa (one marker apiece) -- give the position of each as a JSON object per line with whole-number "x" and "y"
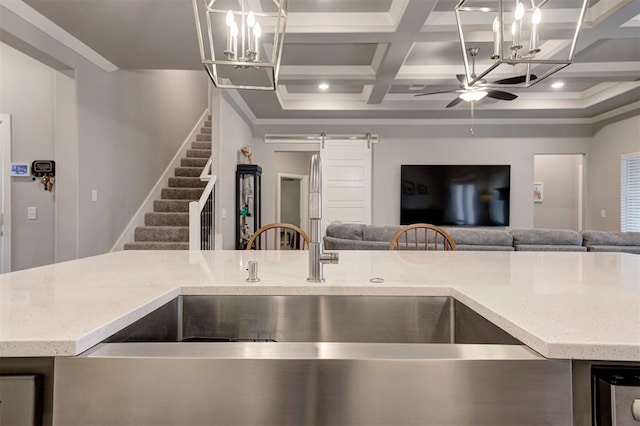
{"x": 628, "y": 242}
{"x": 351, "y": 236}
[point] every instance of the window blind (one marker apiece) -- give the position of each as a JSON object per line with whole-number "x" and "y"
{"x": 630, "y": 193}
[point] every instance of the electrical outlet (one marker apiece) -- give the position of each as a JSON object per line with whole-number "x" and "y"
{"x": 94, "y": 195}
{"x": 223, "y": 213}
{"x": 32, "y": 213}
{"x": 603, "y": 213}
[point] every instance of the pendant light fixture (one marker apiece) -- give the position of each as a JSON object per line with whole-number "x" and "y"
{"x": 241, "y": 48}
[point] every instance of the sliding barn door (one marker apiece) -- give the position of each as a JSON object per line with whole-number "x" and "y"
{"x": 346, "y": 181}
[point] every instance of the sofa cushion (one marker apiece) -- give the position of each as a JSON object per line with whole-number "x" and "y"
{"x": 546, "y": 237}
{"x": 602, "y": 238}
{"x": 549, "y": 247}
{"x": 380, "y": 233}
{"x": 348, "y": 231}
{"x": 481, "y": 237}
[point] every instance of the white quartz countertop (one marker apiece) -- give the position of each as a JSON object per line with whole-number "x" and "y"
{"x": 563, "y": 305}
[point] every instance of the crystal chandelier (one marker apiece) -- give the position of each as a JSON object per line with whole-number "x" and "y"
{"x": 236, "y": 47}
{"x": 519, "y": 58}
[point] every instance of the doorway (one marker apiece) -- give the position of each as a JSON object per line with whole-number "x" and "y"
{"x": 292, "y": 197}
{"x": 559, "y": 201}
{"x": 5, "y": 198}
{"x": 292, "y": 187}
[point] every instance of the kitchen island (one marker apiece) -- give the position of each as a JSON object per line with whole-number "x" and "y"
{"x": 564, "y": 306}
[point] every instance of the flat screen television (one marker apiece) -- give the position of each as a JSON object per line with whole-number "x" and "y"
{"x": 455, "y": 195}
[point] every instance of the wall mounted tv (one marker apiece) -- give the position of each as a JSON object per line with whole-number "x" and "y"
{"x": 455, "y": 195}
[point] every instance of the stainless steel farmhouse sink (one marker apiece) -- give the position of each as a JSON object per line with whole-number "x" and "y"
{"x": 312, "y": 360}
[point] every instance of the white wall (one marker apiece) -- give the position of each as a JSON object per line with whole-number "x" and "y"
{"x": 603, "y": 160}
{"x": 559, "y": 175}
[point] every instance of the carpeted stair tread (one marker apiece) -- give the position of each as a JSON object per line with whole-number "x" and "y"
{"x": 181, "y": 193}
{"x": 205, "y": 130}
{"x": 186, "y": 182}
{"x": 203, "y": 137}
{"x": 156, "y": 245}
{"x": 173, "y": 206}
{"x": 198, "y": 153}
{"x": 178, "y": 234}
{"x": 201, "y": 145}
{"x": 188, "y": 171}
{"x": 207, "y": 123}
{"x": 166, "y": 219}
{"x": 193, "y": 162}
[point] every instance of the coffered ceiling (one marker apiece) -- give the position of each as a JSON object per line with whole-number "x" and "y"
{"x": 375, "y": 55}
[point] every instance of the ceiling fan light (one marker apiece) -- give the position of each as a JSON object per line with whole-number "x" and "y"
{"x": 474, "y": 95}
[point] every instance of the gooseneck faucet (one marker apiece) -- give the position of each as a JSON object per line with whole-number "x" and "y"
{"x": 316, "y": 257}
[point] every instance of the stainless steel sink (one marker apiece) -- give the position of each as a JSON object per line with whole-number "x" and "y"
{"x": 364, "y": 319}
{"x": 312, "y": 360}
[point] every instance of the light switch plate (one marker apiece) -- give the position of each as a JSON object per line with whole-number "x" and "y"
{"x": 32, "y": 213}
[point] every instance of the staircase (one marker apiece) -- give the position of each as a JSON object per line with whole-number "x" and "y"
{"x": 167, "y": 228}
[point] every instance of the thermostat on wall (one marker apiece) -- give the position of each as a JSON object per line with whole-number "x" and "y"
{"x": 20, "y": 169}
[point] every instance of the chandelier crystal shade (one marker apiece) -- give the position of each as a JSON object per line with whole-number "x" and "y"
{"x": 531, "y": 40}
{"x": 240, "y": 47}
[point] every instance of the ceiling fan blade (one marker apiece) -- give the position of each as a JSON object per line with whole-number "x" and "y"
{"x": 499, "y": 94}
{"x": 454, "y": 102}
{"x": 516, "y": 80}
{"x": 436, "y": 93}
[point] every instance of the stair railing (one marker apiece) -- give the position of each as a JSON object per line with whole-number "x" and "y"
{"x": 201, "y": 213}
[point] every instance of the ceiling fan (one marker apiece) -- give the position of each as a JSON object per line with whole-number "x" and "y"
{"x": 479, "y": 91}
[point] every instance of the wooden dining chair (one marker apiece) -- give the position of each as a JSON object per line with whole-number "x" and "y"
{"x": 422, "y": 236}
{"x": 279, "y": 236}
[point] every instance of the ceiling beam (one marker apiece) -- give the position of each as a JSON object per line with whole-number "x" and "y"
{"x": 415, "y": 14}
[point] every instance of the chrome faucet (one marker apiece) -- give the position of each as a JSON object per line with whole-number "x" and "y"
{"x": 316, "y": 257}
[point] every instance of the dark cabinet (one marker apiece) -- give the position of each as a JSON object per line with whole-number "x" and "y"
{"x": 248, "y": 202}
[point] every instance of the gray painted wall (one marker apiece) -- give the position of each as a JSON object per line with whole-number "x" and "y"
{"x": 388, "y": 155}
{"x": 391, "y": 153}
{"x": 234, "y": 133}
{"x": 603, "y": 176}
{"x": 27, "y": 93}
{"x": 66, "y": 155}
{"x": 130, "y": 125}
{"x": 559, "y": 175}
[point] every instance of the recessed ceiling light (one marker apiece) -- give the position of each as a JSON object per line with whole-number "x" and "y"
{"x": 557, "y": 84}
{"x": 323, "y": 86}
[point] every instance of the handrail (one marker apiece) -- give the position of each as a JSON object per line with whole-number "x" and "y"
{"x": 201, "y": 213}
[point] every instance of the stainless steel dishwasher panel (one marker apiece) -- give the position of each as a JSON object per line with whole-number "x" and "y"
{"x": 616, "y": 395}
{"x": 20, "y": 400}
{"x": 297, "y": 384}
